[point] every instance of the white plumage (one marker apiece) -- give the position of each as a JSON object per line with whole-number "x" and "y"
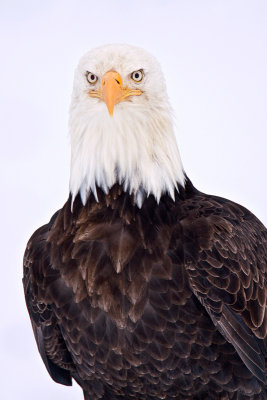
{"x": 136, "y": 146}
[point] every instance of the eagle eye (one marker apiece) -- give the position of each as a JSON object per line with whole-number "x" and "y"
{"x": 92, "y": 78}
{"x": 137, "y": 76}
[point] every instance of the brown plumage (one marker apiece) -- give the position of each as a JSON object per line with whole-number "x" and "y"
{"x": 166, "y": 301}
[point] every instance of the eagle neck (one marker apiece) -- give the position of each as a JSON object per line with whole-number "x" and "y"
{"x": 138, "y": 153}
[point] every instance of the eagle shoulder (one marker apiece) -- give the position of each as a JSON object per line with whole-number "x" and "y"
{"x": 225, "y": 249}
{"x": 39, "y": 281}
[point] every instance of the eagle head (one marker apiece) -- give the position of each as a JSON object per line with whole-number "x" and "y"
{"x": 121, "y": 126}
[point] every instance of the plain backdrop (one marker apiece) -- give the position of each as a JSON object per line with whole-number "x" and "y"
{"x": 214, "y": 57}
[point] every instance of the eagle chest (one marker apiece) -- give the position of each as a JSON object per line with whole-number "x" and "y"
{"x": 130, "y": 297}
{"x": 114, "y": 263}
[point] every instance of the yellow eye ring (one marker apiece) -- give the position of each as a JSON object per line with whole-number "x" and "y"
{"x": 92, "y": 78}
{"x": 137, "y": 76}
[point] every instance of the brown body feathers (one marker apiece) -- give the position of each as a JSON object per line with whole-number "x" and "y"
{"x": 166, "y": 301}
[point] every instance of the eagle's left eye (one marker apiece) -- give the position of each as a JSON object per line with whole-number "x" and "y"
{"x": 92, "y": 78}
{"x": 137, "y": 76}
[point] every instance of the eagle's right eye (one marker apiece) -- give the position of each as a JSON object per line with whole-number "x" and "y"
{"x": 92, "y": 78}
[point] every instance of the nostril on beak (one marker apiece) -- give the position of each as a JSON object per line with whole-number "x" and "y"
{"x": 117, "y": 81}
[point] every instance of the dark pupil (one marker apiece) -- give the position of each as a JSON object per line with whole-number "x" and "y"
{"x": 92, "y": 77}
{"x": 136, "y": 75}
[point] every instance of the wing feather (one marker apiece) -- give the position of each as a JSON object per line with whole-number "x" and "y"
{"x": 229, "y": 275}
{"x": 37, "y": 275}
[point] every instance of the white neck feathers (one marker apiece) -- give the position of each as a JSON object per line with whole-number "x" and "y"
{"x": 135, "y": 148}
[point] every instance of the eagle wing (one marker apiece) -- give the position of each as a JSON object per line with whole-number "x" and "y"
{"x": 228, "y": 275}
{"x": 39, "y": 280}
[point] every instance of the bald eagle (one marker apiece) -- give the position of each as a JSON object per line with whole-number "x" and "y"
{"x": 142, "y": 287}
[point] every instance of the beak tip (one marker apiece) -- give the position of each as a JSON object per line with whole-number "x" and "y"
{"x": 110, "y": 111}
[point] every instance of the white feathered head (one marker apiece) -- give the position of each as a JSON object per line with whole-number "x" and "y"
{"x": 121, "y": 126}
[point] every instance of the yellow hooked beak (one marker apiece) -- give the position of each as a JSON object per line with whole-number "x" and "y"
{"x": 112, "y": 91}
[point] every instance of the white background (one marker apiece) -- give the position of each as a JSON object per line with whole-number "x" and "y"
{"x": 213, "y": 54}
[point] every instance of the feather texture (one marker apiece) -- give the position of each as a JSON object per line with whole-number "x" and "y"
{"x": 159, "y": 302}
